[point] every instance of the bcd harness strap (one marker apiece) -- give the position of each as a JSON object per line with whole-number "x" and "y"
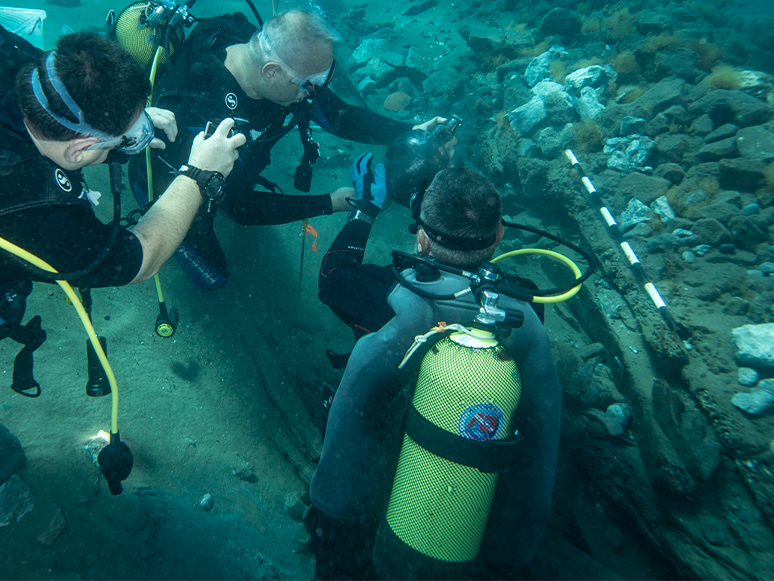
{"x": 12, "y": 306}
{"x": 494, "y": 456}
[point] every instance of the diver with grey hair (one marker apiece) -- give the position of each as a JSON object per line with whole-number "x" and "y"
{"x": 272, "y": 81}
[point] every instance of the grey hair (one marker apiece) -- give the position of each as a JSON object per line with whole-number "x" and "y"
{"x": 291, "y": 32}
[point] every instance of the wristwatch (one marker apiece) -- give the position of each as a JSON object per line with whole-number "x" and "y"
{"x": 210, "y": 183}
{"x": 360, "y": 215}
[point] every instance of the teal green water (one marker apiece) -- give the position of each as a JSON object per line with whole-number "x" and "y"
{"x": 91, "y": 14}
{"x": 220, "y": 414}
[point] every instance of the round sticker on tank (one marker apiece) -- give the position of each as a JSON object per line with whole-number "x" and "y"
{"x": 482, "y": 422}
{"x": 63, "y": 180}
{"x": 231, "y": 101}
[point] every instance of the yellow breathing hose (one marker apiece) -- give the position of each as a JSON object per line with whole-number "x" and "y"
{"x": 149, "y": 171}
{"x": 561, "y": 257}
{"x": 76, "y": 301}
{"x": 32, "y": 259}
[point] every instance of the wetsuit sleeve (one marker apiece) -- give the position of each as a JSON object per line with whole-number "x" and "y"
{"x": 355, "y": 292}
{"x": 69, "y": 238}
{"x": 355, "y": 123}
{"x": 523, "y": 499}
{"x": 255, "y": 208}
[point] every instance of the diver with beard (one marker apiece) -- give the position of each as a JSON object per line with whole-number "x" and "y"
{"x": 459, "y": 225}
{"x": 227, "y": 68}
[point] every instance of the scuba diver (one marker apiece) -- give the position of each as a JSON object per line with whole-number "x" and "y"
{"x": 424, "y": 522}
{"x": 76, "y": 106}
{"x": 272, "y": 80}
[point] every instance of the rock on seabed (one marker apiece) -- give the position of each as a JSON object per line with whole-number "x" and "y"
{"x": 758, "y": 400}
{"x": 754, "y": 345}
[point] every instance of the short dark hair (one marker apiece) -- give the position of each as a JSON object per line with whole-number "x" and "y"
{"x": 462, "y": 202}
{"x": 103, "y": 80}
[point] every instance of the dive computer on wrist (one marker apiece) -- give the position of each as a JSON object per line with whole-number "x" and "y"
{"x": 211, "y": 183}
{"x": 360, "y": 215}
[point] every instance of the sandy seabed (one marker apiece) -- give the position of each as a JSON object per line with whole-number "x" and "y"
{"x": 193, "y": 409}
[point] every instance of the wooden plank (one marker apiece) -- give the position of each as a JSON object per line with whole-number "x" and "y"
{"x": 297, "y": 425}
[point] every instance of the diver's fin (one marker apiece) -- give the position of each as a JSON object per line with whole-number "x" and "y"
{"x": 338, "y": 360}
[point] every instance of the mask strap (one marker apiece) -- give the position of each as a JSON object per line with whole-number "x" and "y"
{"x": 461, "y": 243}
{"x": 81, "y": 127}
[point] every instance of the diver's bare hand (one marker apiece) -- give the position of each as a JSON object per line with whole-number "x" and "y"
{"x": 431, "y": 126}
{"x": 219, "y": 151}
{"x": 164, "y": 120}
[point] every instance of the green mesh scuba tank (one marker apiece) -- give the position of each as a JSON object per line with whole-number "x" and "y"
{"x": 144, "y": 26}
{"x": 469, "y": 388}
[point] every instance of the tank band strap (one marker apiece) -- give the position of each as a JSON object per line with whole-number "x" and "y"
{"x": 494, "y": 456}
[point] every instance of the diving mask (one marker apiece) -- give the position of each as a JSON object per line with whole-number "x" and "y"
{"x": 133, "y": 141}
{"x": 310, "y": 84}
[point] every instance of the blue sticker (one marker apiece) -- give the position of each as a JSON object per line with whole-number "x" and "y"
{"x": 481, "y": 422}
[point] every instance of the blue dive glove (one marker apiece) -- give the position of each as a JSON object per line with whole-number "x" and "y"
{"x": 369, "y": 186}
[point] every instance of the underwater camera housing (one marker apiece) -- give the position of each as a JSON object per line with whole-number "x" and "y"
{"x": 414, "y": 158}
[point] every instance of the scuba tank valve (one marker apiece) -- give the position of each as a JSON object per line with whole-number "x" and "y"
{"x": 167, "y": 13}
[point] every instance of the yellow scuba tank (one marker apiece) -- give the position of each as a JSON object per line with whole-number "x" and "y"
{"x": 138, "y": 32}
{"x": 466, "y": 395}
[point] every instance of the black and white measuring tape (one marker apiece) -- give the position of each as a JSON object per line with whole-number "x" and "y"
{"x": 615, "y": 233}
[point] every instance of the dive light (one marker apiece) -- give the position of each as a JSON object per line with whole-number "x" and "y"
{"x": 166, "y": 322}
{"x": 115, "y": 461}
{"x": 97, "y": 384}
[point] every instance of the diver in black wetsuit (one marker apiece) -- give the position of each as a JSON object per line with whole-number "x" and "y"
{"x": 459, "y": 225}
{"x": 61, "y": 111}
{"x": 271, "y": 81}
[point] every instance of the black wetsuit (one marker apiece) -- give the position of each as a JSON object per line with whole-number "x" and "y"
{"x": 354, "y": 474}
{"x": 198, "y": 88}
{"x": 355, "y": 292}
{"x": 45, "y": 210}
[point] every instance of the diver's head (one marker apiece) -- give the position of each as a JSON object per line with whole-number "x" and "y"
{"x": 87, "y": 94}
{"x": 292, "y": 56}
{"x": 460, "y": 219}
{"x": 102, "y": 80}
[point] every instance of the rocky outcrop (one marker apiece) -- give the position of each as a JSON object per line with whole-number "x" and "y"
{"x": 670, "y": 110}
